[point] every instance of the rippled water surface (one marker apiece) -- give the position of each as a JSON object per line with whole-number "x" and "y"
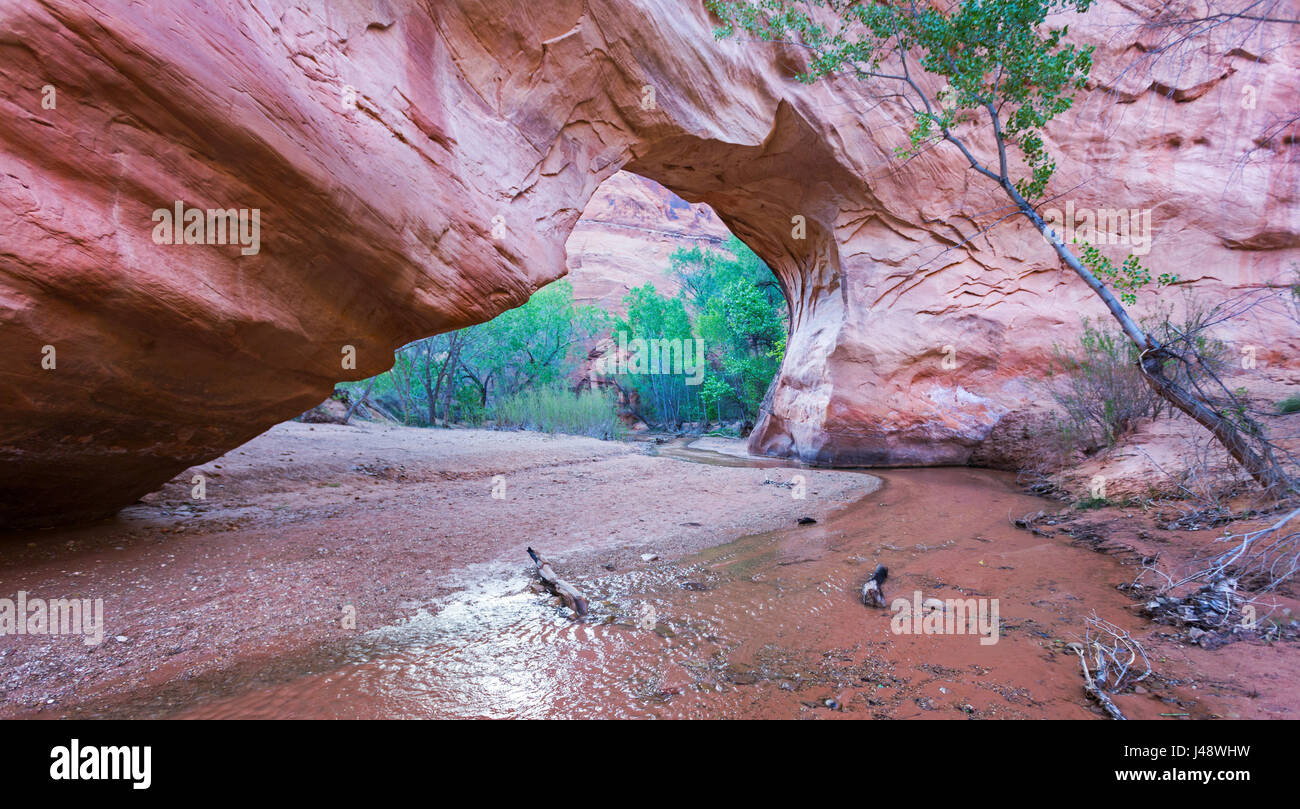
{"x": 767, "y": 626}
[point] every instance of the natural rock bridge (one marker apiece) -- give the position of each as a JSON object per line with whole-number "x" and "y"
{"x": 418, "y": 167}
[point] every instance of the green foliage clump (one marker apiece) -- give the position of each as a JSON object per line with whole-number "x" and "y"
{"x": 532, "y": 345}
{"x": 743, "y": 330}
{"x": 730, "y": 301}
{"x": 1091, "y": 503}
{"x": 457, "y": 376}
{"x": 741, "y": 320}
{"x": 1100, "y": 389}
{"x": 665, "y": 398}
{"x": 556, "y": 410}
{"x": 1128, "y": 278}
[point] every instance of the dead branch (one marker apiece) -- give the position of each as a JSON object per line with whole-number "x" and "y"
{"x": 1115, "y": 655}
{"x": 1267, "y": 557}
{"x": 352, "y": 408}
{"x": 1263, "y": 560}
{"x": 573, "y": 598}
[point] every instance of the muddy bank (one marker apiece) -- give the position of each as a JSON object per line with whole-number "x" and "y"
{"x": 234, "y": 610}
{"x": 308, "y": 520}
{"x": 769, "y": 626}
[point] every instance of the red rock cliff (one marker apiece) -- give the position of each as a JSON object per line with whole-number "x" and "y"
{"x": 418, "y": 167}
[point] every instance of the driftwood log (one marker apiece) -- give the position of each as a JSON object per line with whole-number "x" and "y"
{"x": 573, "y": 598}
{"x": 1093, "y": 690}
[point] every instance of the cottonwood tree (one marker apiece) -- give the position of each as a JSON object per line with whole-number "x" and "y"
{"x": 455, "y": 374}
{"x": 531, "y": 346}
{"x": 982, "y": 72}
{"x": 740, "y": 314}
{"x": 653, "y": 316}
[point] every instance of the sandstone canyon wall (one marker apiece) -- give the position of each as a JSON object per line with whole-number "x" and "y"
{"x": 418, "y": 167}
{"x": 625, "y": 237}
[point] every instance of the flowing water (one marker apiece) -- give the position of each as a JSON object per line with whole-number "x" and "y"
{"x": 770, "y": 625}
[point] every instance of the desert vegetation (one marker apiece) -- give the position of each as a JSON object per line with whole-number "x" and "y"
{"x": 494, "y": 371}
{"x": 556, "y": 410}
{"x": 730, "y": 301}
{"x": 1008, "y": 73}
{"x": 539, "y": 366}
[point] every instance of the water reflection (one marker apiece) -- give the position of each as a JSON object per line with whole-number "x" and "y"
{"x": 769, "y": 625}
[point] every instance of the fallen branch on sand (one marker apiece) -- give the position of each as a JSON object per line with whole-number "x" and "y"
{"x": 1263, "y": 559}
{"x": 573, "y": 598}
{"x": 1111, "y": 671}
{"x": 1232, "y": 582}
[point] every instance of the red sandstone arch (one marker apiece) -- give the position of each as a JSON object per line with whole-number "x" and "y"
{"x": 480, "y": 116}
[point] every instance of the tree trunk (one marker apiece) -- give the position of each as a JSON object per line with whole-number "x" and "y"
{"x": 442, "y": 373}
{"x": 352, "y": 408}
{"x": 403, "y": 388}
{"x": 1259, "y": 464}
{"x": 428, "y": 383}
{"x": 573, "y": 597}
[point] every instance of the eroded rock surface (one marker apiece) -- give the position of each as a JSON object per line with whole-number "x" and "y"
{"x": 418, "y": 167}
{"x": 626, "y": 235}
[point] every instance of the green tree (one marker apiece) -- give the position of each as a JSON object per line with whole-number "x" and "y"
{"x": 413, "y": 389}
{"x": 654, "y": 316}
{"x": 1003, "y": 73}
{"x": 712, "y": 394}
{"x": 742, "y": 328}
{"x": 703, "y": 273}
{"x": 534, "y": 345}
{"x": 453, "y": 376}
{"x": 741, "y": 318}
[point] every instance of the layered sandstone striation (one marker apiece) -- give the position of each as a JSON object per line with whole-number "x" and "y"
{"x": 419, "y": 167}
{"x": 626, "y": 236}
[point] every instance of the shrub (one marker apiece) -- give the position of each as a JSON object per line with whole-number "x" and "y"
{"x": 1102, "y": 392}
{"x": 553, "y": 410}
{"x": 1291, "y": 404}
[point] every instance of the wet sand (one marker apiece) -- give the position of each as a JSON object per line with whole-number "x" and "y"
{"x": 307, "y": 520}
{"x": 767, "y": 625}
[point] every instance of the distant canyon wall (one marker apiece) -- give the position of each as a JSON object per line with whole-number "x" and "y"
{"x": 626, "y": 236}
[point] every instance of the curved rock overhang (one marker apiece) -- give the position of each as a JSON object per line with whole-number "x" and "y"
{"x": 417, "y": 168}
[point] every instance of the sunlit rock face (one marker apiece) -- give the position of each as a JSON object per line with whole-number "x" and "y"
{"x": 419, "y": 167}
{"x": 626, "y": 236}
{"x": 941, "y": 334}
